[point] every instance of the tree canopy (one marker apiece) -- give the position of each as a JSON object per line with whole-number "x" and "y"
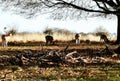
{"x": 61, "y": 8}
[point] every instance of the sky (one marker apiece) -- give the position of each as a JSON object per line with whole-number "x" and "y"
{"x": 41, "y": 22}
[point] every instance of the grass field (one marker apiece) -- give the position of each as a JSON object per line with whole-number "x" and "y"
{"x": 81, "y": 73}
{"x": 33, "y": 47}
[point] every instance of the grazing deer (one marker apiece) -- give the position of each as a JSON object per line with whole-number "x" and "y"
{"x": 5, "y": 38}
{"x": 49, "y": 39}
{"x": 104, "y": 38}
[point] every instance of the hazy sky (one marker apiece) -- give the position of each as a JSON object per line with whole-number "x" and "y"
{"x": 39, "y": 23}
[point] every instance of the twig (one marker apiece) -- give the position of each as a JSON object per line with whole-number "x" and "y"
{"x": 71, "y": 53}
{"x": 66, "y": 47}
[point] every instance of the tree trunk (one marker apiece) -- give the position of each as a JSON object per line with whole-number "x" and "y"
{"x": 118, "y": 30}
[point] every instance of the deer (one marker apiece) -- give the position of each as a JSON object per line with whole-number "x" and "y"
{"x": 77, "y": 39}
{"x": 49, "y": 39}
{"x": 5, "y": 38}
{"x": 104, "y": 38}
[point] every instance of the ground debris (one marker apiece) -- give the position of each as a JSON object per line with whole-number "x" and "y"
{"x": 66, "y": 56}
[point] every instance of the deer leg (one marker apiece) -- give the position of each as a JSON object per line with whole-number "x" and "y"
{"x": 77, "y": 41}
{"x": 6, "y": 43}
{"x": 51, "y": 42}
{"x": 46, "y": 42}
{"x": 3, "y": 43}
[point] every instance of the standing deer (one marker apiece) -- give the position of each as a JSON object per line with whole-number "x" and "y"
{"x": 104, "y": 38}
{"x": 5, "y": 38}
{"x": 77, "y": 39}
{"x": 49, "y": 39}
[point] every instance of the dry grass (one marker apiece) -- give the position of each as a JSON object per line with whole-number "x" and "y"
{"x": 37, "y": 37}
{"x": 81, "y": 73}
{"x": 41, "y": 37}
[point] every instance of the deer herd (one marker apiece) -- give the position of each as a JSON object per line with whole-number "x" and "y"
{"x": 49, "y": 39}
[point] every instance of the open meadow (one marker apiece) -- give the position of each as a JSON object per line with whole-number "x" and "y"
{"x": 64, "y": 61}
{"x": 59, "y": 40}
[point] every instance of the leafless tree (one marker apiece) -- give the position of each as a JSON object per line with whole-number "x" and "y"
{"x": 72, "y": 8}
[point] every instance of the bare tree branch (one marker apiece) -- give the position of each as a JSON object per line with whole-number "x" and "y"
{"x": 112, "y": 4}
{"x": 64, "y": 3}
{"x": 118, "y": 2}
{"x": 105, "y": 5}
{"x": 104, "y": 8}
